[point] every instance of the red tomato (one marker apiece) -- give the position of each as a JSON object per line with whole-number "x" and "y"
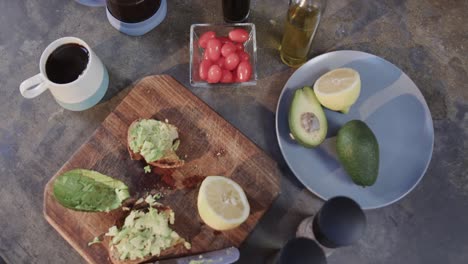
{"x": 205, "y": 55}
{"x": 239, "y": 46}
{"x": 227, "y": 49}
{"x": 232, "y": 60}
{"x": 220, "y": 62}
{"x": 239, "y": 35}
{"x": 224, "y": 40}
{"x": 203, "y": 70}
{"x": 227, "y": 77}
{"x": 205, "y": 37}
{"x": 244, "y": 56}
{"x": 214, "y": 74}
{"x": 244, "y": 71}
{"x": 213, "y": 47}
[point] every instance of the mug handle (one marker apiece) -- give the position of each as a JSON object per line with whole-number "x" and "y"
{"x": 33, "y": 86}
{"x": 92, "y": 2}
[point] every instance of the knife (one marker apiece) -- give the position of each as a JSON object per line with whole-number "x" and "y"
{"x": 222, "y": 256}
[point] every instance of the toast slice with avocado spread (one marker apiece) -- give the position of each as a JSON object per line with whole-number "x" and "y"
{"x": 154, "y": 141}
{"x": 143, "y": 233}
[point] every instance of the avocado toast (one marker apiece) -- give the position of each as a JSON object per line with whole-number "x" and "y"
{"x": 154, "y": 141}
{"x": 144, "y": 232}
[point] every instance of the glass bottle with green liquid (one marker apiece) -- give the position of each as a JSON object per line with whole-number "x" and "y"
{"x": 301, "y": 24}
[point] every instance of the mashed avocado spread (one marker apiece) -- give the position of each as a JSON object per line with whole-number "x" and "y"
{"x": 153, "y": 139}
{"x": 145, "y": 234}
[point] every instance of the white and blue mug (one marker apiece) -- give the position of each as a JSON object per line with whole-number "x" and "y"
{"x": 76, "y": 94}
{"x": 134, "y": 18}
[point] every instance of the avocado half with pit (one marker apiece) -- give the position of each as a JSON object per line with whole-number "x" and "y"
{"x": 154, "y": 141}
{"x": 307, "y": 121}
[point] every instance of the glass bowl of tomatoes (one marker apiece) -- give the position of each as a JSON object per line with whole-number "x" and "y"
{"x": 223, "y": 55}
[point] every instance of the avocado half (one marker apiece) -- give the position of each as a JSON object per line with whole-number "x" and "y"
{"x": 358, "y": 152}
{"x": 307, "y": 121}
{"x": 87, "y": 190}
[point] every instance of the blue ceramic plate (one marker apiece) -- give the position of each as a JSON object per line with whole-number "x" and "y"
{"x": 390, "y": 104}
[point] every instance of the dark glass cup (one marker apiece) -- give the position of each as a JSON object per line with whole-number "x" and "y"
{"x": 235, "y": 11}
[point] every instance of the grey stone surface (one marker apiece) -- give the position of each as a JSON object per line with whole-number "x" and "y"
{"x": 427, "y": 39}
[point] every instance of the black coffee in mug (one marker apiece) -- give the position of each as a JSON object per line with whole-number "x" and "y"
{"x": 66, "y": 63}
{"x": 236, "y": 10}
{"x": 133, "y": 11}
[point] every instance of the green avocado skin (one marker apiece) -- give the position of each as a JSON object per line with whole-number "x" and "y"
{"x": 358, "y": 152}
{"x": 87, "y": 190}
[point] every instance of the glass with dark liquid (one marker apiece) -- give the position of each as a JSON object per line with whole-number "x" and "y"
{"x": 236, "y": 10}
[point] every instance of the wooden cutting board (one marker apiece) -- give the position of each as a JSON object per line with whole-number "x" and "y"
{"x": 209, "y": 145}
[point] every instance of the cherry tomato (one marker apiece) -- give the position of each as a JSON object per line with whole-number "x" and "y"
{"x": 232, "y": 60}
{"x": 239, "y": 46}
{"x": 205, "y": 55}
{"x": 213, "y": 47}
{"x": 243, "y": 56}
{"x": 214, "y": 74}
{"x": 203, "y": 70}
{"x": 220, "y": 62}
{"x": 224, "y": 40}
{"x": 205, "y": 37}
{"x": 244, "y": 71}
{"x": 227, "y": 49}
{"x": 239, "y": 35}
{"x": 227, "y": 77}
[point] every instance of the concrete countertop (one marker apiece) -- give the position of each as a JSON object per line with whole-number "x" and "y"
{"x": 426, "y": 39}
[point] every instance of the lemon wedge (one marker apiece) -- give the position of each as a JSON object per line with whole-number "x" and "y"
{"x": 338, "y": 89}
{"x": 222, "y": 203}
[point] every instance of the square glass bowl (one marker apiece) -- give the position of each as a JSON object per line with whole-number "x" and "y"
{"x": 196, "y": 53}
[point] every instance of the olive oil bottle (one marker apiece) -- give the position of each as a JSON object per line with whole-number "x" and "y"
{"x": 301, "y": 24}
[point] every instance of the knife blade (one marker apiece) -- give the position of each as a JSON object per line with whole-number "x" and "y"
{"x": 222, "y": 256}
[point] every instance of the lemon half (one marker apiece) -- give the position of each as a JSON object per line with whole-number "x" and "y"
{"x": 338, "y": 89}
{"x": 222, "y": 203}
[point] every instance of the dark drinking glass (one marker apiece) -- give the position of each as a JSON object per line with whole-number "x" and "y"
{"x": 236, "y": 10}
